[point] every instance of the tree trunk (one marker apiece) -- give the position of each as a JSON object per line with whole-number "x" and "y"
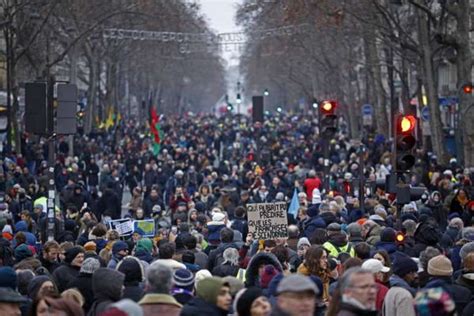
{"x": 436, "y": 126}
{"x": 464, "y": 66}
{"x": 375, "y": 83}
{"x": 91, "y": 96}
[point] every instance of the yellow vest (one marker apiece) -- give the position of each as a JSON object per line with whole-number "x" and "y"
{"x": 335, "y": 251}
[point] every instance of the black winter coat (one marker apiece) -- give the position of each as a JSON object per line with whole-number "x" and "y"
{"x": 109, "y": 205}
{"x": 83, "y": 283}
{"x": 199, "y": 307}
{"x": 133, "y": 291}
{"x": 64, "y": 275}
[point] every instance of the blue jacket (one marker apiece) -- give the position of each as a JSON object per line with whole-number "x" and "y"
{"x": 311, "y": 225}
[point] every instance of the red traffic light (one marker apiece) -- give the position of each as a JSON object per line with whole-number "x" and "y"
{"x": 328, "y": 107}
{"x": 406, "y": 124}
{"x": 467, "y": 88}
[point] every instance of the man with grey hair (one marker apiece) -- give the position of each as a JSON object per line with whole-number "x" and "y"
{"x": 158, "y": 300}
{"x": 358, "y": 292}
{"x": 409, "y": 226}
{"x": 354, "y": 230}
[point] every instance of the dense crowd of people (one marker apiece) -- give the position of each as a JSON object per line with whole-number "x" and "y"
{"x": 349, "y": 250}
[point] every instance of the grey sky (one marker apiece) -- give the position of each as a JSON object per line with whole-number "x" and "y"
{"x": 220, "y": 14}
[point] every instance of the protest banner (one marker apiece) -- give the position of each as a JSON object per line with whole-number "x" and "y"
{"x": 268, "y": 220}
{"x": 145, "y": 228}
{"x": 123, "y": 226}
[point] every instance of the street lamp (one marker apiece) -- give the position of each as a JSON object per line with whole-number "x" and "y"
{"x": 315, "y": 104}
{"x": 266, "y": 93}
{"x": 279, "y": 109}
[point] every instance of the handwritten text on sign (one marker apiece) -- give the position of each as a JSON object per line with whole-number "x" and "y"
{"x": 268, "y": 220}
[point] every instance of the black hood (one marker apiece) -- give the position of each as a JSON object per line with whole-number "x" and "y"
{"x": 132, "y": 269}
{"x": 261, "y": 258}
{"x": 427, "y": 233}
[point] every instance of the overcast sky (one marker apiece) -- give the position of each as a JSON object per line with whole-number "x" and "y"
{"x": 220, "y": 14}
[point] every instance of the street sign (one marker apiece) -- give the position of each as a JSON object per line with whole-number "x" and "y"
{"x": 425, "y": 113}
{"x": 367, "y": 109}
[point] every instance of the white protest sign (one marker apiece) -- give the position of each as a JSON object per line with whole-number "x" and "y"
{"x": 268, "y": 220}
{"x": 123, "y": 226}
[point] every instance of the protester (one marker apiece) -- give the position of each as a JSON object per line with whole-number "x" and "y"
{"x": 158, "y": 299}
{"x": 212, "y": 298}
{"x": 107, "y": 286}
{"x": 296, "y": 296}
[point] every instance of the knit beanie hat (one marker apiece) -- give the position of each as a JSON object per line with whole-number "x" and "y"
{"x": 35, "y": 285}
{"x": 440, "y": 266}
{"x": 118, "y": 246}
{"x": 72, "y": 253}
{"x": 183, "y": 279}
{"x": 144, "y": 244}
{"x": 388, "y": 235}
{"x": 303, "y": 241}
{"x": 404, "y": 265}
{"x": 90, "y": 265}
{"x": 201, "y": 275}
{"x": 266, "y": 275}
{"x": 22, "y": 252}
{"x": 434, "y": 302}
{"x": 208, "y": 289}
{"x": 90, "y": 246}
{"x": 218, "y": 217}
{"x": 244, "y": 302}
{"x": 7, "y": 277}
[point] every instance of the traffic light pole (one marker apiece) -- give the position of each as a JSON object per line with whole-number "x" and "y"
{"x": 51, "y": 161}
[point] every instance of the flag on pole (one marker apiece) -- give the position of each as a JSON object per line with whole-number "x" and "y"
{"x": 155, "y": 131}
{"x": 294, "y": 204}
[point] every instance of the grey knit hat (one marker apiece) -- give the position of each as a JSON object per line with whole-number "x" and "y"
{"x": 90, "y": 265}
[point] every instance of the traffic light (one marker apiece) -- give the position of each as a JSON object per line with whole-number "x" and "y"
{"x": 467, "y": 88}
{"x": 400, "y": 240}
{"x": 36, "y": 105}
{"x": 328, "y": 118}
{"x": 405, "y": 142}
{"x": 66, "y": 114}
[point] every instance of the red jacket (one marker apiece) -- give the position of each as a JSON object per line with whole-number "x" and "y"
{"x": 381, "y": 292}
{"x": 310, "y": 184}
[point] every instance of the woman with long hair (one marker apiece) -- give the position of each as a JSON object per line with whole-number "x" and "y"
{"x": 316, "y": 263}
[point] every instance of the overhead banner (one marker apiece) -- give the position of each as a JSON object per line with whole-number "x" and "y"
{"x": 268, "y": 220}
{"x": 145, "y": 228}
